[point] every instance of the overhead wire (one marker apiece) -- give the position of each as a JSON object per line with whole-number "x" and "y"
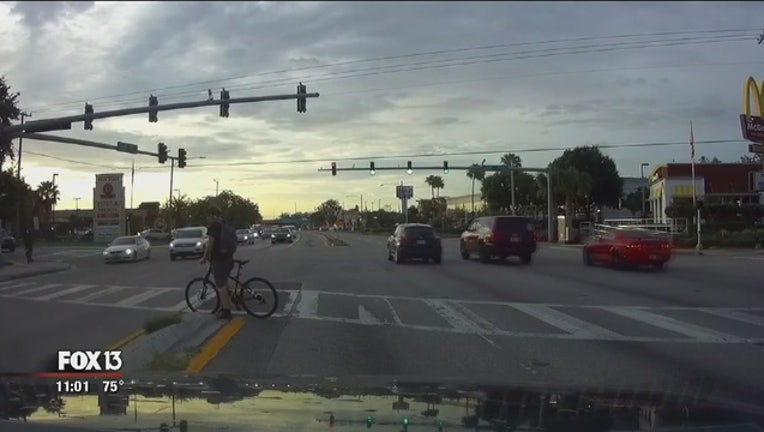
{"x": 582, "y": 49}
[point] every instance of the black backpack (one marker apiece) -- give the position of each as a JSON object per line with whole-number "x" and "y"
{"x": 228, "y": 240}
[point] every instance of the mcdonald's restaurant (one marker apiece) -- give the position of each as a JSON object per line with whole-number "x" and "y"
{"x": 715, "y": 183}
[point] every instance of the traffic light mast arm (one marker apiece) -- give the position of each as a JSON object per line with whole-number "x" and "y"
{"x": 488, "y": 168}
{"x": 45, "y": 124}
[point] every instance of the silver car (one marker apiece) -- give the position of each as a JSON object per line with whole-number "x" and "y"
{"x": 245, "y": 236}
{"x": 127, "y": 248}
{"x": 188, "y": 242}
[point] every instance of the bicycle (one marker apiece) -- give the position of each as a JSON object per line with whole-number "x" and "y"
{"x": 237, "y": 292}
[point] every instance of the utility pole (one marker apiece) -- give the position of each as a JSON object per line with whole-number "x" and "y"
{"x": 172, "y": 174}
{"x": 77, "y": 203}
{"x": 24, "y": 115}
{"x": 217, "y": 186}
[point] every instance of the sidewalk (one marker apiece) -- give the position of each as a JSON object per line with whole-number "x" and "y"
{"x": 12, "y": 270}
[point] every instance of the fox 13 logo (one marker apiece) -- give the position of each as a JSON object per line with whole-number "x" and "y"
{"x": 89, "y": 361}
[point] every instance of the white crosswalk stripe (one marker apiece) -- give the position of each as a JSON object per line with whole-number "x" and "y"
{"x": 550, "y": 321}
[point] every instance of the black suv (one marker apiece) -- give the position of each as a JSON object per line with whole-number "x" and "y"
{"x": 499, "y": 236}
{"x": 414, "y": 240}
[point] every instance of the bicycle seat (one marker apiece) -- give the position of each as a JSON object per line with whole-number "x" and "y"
{"x": 240, "y": 262}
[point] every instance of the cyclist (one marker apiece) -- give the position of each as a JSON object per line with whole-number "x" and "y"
{"x": 220, "y": 260}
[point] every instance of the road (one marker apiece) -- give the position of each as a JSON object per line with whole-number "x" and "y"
{"x": 346, "y": 311}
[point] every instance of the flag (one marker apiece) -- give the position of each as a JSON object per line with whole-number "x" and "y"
{"x": 692, "y": 144}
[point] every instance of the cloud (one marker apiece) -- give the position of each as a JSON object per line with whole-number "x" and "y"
{"x": 394, "y": 80}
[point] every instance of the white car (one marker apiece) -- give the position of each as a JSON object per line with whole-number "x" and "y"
{"x": 188, "y": 242}
{"x": 245, "y": 236}
{"x": 127, "y": 248}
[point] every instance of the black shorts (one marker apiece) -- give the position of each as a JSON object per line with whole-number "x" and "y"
{"x": 221, "y": 270}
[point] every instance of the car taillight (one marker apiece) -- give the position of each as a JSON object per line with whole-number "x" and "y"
{"x": 403, "y": 240}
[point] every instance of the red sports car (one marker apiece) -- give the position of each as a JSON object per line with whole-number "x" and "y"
{"x": 621, "y": 247}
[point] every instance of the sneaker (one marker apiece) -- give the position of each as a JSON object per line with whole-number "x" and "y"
{"x": 223, "y": 314}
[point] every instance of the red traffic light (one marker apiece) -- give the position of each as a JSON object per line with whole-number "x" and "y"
{"x": 334, "y": 168}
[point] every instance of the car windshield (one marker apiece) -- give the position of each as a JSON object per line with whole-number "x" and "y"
{"x": 242, "y": 231}
{"x": 122, "y": 241}
{"x": 190, "y": 233}
{"x": 284, "y": 230}
{"x": 420, "y": 231}
{"x": 513, "y": 224}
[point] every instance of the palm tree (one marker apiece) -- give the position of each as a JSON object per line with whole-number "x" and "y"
{"x": 430, "y": 181}
{"x": 475, "y": 172}
{"x": 48, "y": 195}
{"x": 512, "y": 160}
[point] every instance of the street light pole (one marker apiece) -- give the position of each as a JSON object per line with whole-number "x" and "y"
{"x": 77, "y": 204}
{"x": 642, "y": 173}
{"x": 21, "y": 145}
{"x": 217, "y": 186}
{"x": 172, "y": 175}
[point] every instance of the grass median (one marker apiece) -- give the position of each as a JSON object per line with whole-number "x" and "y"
{"x": 173, "y": 361}
{"x": 334, "y": 241}
{"x": 157, "y": 323}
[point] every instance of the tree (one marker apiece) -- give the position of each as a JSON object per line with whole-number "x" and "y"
{"x": 706, "y": 160}
{"x": 633, "y": 201}
{"x": 604, "y": 184}
{"x": 9, "y": 110}
{"x": 15, "y": 195}
{"x": 753, "y": 158}
{"x": 235, "y": 210}
{"x": 475, "y": 172}
{"x": 326, "y": 213}
{"x": 49, "y": 196}
{"x": 436, "y": 183}
{"x": 497, "y": 188}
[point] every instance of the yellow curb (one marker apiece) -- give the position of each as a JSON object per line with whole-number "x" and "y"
{"x": 214, "y": 345}
{"x": 125, "y": 340}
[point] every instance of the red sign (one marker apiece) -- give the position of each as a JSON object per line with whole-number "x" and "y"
{"x": 107, "y": 191}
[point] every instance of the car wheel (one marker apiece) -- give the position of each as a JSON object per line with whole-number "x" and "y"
{"x": 389, "y": 255}
{"x": 485, "y": 257}
{"x": 617, "y": 260}
{"x": 526, "y": 259}
{"x": 172, "y": 257}
{"x": 148, "y": 255}
{"x": 463, "y": 251}
{"x": 397, "y": 257}
{"x": 438, "y": 259}
{"x": 587, "y": 257}
{"x": 659, "y": 265}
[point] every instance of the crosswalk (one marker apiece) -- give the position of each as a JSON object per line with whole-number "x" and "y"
{"x": 485, "y": 318}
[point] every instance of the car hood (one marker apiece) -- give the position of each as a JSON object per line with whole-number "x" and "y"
{"x": 120, "y": 248}
{"x": 237, "y": 403}
{"x": 187, "y": 241}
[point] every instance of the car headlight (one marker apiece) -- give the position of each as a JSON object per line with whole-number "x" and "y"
{"x": 128, "y": 251}
{"x": 105, "y": 252}
{"x": 172, "y": 244}
{"x": 289, "y": 235}
{"x": 246, "y": 238}
{"x": 198, "y": 244}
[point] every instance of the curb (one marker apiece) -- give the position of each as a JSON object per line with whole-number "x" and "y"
{"x": 214, "y": 345}
{"x": 126, "y": 340}
{"x": 33, "y": 274}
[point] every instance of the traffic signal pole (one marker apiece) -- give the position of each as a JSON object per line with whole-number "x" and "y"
{"x": 64, "y": 123}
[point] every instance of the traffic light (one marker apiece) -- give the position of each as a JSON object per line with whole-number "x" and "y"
{"x": 445, "y": 167}
{"x": 181, "y": 158}
{"x": 224, "y": 106}
{"x": 334, "y": 168}
{"x": 88, "y": 122}
{"x": 331, "y": 420}
{"x": 302, "y": 102}
{"x": 440, "y": 425}
{"x": 372, "y": 171}
{"x": 410, "y": 169}
{"x": 405, "y": 423}
{"x": 183, "y": 426}
{"x": 164, "y": 427}
{"x": 162, "y": 150}
{"x": 369, "y": 421}
{"x": 153, "y": 101}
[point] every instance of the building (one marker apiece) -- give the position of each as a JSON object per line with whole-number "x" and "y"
{"x": 715, "y": 183}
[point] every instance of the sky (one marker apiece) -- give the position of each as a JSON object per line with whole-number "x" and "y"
{"x": 398, "y": 81}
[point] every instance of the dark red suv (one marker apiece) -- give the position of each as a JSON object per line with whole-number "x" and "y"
{"x": 499, "y": 236}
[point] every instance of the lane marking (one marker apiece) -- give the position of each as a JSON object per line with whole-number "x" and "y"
{"x": 125, "y": 340}
{"x": 215, "y": 345}
{"x": 67, "y": 291}
{"x": 91, "y": 296}
{"x": 140, "y": 297}
{"x": 457, "y": 320}
{"x": 366, "y": 317}
{"x": 567, "y": 323}
{"x": 671, "y": 324}
{"x": 735, "y": 315}
{"x": 11, "y": 285}
{"x": 307, "y": 305}
{"x": 394, "y": 313}
{"x": 291, "y": 299}
{"x": 26, "y": 292}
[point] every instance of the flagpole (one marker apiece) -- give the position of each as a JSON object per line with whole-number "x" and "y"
{"x": 698, "y": 245}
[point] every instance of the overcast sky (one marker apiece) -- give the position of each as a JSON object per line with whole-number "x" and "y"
{"x": 397, "y": 81}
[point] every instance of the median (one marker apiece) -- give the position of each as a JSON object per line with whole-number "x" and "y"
{"x": 333, "y": 241}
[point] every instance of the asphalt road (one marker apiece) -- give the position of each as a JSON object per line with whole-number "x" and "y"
{"x": 697, "y": 326}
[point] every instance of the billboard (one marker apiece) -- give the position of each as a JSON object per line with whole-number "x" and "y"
{"x": 108, "y": 207}
{"x": 752, "y": 123}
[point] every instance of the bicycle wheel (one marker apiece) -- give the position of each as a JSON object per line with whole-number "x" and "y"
{"x": 202, "y": 296}
{"x": 259, "y": 297}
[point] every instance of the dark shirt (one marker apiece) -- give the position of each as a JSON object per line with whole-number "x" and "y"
{"x": 215, "y": 230}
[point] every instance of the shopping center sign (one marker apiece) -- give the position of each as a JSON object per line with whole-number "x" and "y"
{"x": 752, "y": 122}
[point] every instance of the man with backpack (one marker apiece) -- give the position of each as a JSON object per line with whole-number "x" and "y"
{"x": 219, "y": 253}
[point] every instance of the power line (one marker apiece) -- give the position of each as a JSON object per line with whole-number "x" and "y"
{"x": 72, "y": 161}
{"x": 442, "y": 154}
{"x": 410, "y": 55}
